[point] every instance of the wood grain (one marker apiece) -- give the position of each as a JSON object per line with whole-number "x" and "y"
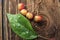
{"x": 48, "y": 8}
{"x": 0, "y": 21}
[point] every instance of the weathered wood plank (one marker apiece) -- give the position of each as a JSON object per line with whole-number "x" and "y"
{"x": 5, "y": 22}
{"x": 46, "y": 7}
{"x": 0, "y": 21}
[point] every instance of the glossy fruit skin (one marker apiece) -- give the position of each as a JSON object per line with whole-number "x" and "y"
{"x": 37, "y": 18}
{"x": 23, "y": 12}
{"x": 21, "y": 6}
{"x": 29, "y": 15}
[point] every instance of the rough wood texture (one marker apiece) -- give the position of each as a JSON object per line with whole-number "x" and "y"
{"x": 0, "y": 21}
{"x": 49, "y": 27}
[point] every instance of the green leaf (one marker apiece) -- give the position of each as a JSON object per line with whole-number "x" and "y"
{"x": 27, "y": 39}
{"x": 21, "y": 26}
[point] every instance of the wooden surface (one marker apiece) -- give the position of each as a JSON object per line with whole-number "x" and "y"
{"x": 48, "y": 8}
{"x": 0, "y": 21}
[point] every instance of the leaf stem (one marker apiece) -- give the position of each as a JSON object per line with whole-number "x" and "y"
{"x": 43, "y": 37}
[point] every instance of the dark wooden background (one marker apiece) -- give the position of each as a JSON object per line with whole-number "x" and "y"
{"x": 0, "y": 21}
{"x": 50, "y": 8}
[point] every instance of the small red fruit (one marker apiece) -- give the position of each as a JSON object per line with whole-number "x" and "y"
{"x": 21, "y": 6}
{"x": 23, "y": 11}
{"x": 29, "y": 15}
{"x": 37, "y": 18}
